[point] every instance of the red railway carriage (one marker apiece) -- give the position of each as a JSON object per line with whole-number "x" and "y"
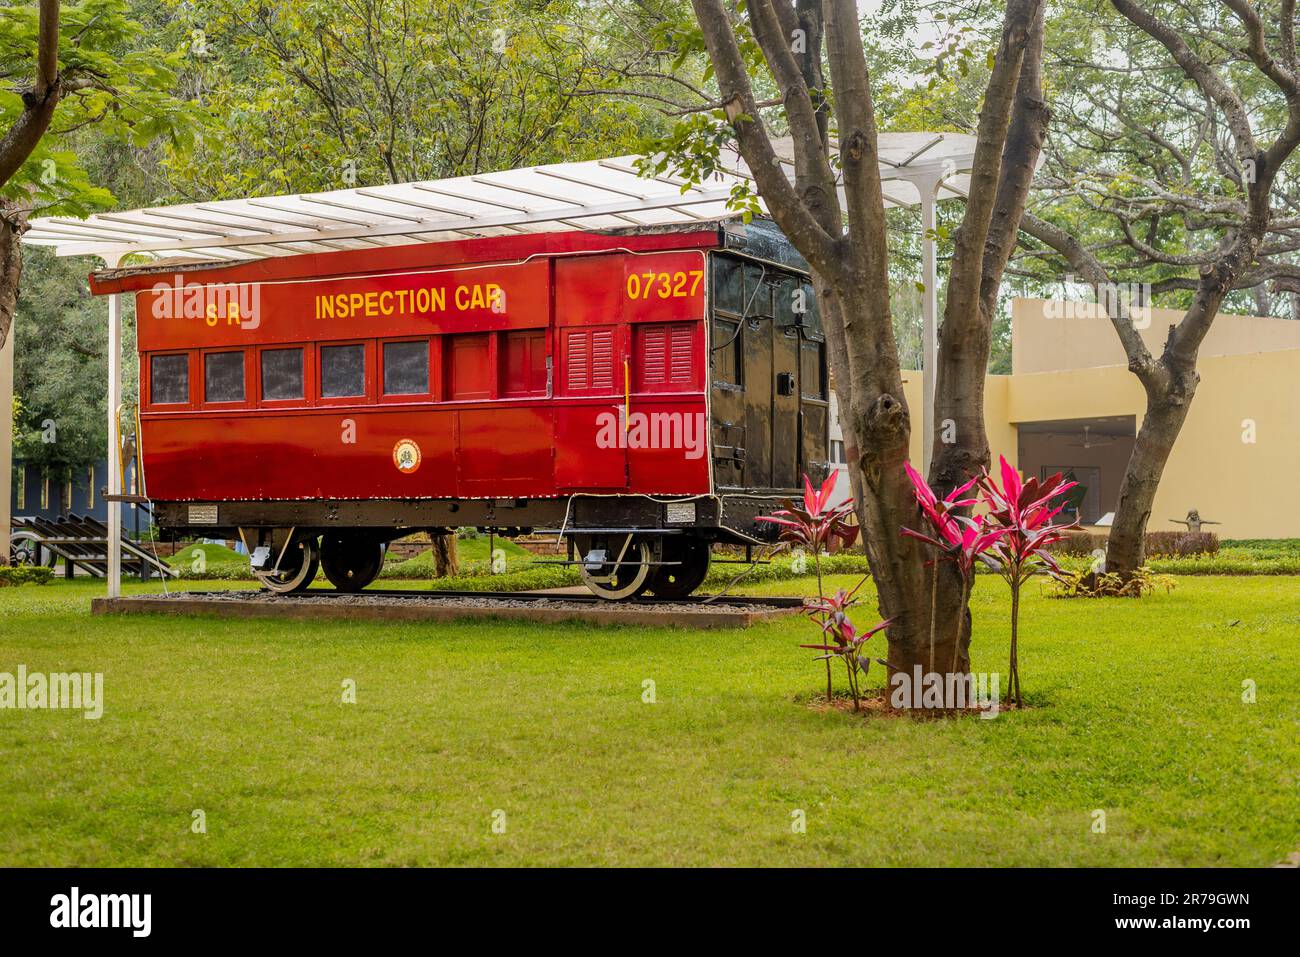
{"x": 644, "y": 394}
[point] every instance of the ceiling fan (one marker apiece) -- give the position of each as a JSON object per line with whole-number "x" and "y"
{"x": 1089, "y": 442}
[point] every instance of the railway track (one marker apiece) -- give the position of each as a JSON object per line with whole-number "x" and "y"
{"x": 323, "y": 596}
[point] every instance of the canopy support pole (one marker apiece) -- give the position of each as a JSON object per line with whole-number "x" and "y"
{"x": 114, "y": 442}
{"x": 929, "y": 190}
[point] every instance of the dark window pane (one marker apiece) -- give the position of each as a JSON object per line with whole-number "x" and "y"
{"x": 796, "y": 305}
{"x": 406, "y": 368}
{"x": 728, "y": 285}
{"x": 788, "y": 302}
{"x": 223, "y": 377}
{"x": 812, "y": 320}
{"x": 342, "y": 371}
{"x": 758, "y": 290}
{"x": 282, "y": 374}
{"x": 169, "y": 379}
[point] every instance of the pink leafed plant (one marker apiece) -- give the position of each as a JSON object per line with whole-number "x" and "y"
{"x": 960, "y": 539}
{"x": 1022, "y": 512}
{"x": 844, "y": 641}
{"x": 814, "y": 525}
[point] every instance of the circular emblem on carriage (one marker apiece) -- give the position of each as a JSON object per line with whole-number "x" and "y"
{"x": 406, "y": 456}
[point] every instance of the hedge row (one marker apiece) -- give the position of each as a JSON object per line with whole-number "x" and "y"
{"x": 1156, "y": 544}
{"x": 25, "y": 574}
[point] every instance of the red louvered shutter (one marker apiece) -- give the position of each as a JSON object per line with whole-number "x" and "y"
{"x": 664, "y": 357}
{"x": 588, "y": 361}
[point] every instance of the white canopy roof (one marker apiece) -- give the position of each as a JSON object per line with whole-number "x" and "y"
{"x": 597, "y": 194}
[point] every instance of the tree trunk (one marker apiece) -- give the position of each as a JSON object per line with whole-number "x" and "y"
{"x": 446, "y": 559}
{"x": 847, "y": 251}
{"x": 883, "y": 499}
{"x": 13, "y": 223}
{"x": 1155, "y": 440}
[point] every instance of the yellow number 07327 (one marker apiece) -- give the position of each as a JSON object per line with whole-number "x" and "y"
{"x": 676, "y": 285}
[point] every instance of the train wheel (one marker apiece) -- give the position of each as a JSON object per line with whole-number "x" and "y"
{"x": 678, "y": 581}
{"x": 625, "y": 572}
{"x": 350, "y": 562}
{"x": 25, "y": 549}
{"x": 297, "y": 568}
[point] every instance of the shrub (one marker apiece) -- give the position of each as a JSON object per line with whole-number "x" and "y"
{"x": 1169, "y": 544}
{"x": 1078, "y": 544}
{"x": 25, "y": 575}
{"x": 1265, "y": 546}
{"x": 524, "y": 577}
{"x": 1109, "y": 585}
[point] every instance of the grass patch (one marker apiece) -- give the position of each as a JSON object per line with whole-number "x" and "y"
{"x": 212, "y": 554}
{"x": 1135, "y": 709}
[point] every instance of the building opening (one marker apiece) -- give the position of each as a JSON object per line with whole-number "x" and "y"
{"x": 1093, "y": 452}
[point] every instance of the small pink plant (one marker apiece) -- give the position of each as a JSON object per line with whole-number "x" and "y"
{"x": 814, "y": 527}
{"x": 817, "y": 524}
{"x": 844, "y": 640}
{"x": 957, "y": 538}
{"x": 1022, "y": 512}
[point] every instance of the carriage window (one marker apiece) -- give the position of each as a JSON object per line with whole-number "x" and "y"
{"x": 728, "y": 284}
{"x": 169, "y": 379}
{"x": 470, "y": 374}
{"x": 812, "y": 320}
{"x": 342, "y": 371}
{"x": 282, "y": 374}
{"x": 406, "y": 368}
{"x": 728, "y": 340}
{"x": 789, "y": 302}
{"x": 523, "y": 363}
{"x": 812, "y": 369}
{"x": 223, "y": 377}
{"x": 743, "y": 288}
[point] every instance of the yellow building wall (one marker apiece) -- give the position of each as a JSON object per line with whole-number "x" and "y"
{"x": 1049, "y": 335}
{"x": 997, "y": 421}
{"x": 1214, "y": 467}
{"x": 1243, "y": 484}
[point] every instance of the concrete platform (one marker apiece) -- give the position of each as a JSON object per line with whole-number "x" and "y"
{"x": 726, "y": 612}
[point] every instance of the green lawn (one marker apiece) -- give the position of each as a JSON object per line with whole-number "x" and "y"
{"x": 1137, "y": 711}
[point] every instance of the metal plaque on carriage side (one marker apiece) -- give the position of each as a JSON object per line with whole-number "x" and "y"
{"x": 203, "y": 515}
{"x": 680, "y": 512}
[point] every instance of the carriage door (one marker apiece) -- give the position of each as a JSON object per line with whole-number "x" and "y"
{"x": 588, "y": 354}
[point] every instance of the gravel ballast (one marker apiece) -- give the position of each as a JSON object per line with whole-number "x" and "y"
{"x": 733, "y": 612}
